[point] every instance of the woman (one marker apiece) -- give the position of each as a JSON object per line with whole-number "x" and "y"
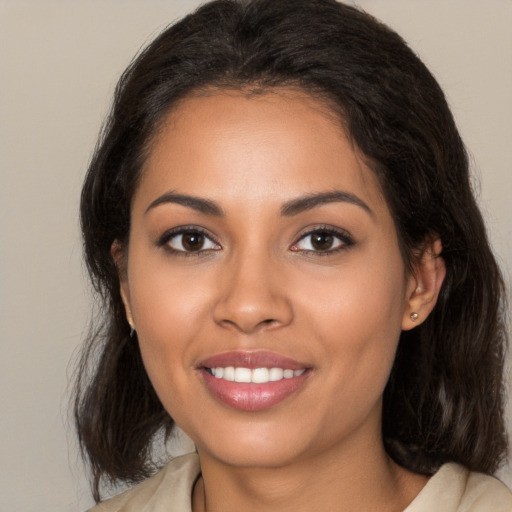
{"x": 279, "y": 221}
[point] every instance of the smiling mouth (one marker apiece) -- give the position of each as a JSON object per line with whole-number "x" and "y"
{"x": 253, "y": 375}
{"x": 253, "y": 381}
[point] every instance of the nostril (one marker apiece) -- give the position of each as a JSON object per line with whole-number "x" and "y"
{"x": 250, "y": 307}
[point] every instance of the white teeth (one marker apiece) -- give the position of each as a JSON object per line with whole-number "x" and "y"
{"x": 243, "y": 375}
{"x": 260, "y": 375}
{"x": 256, "y": 376}
{"x": 276, "y": 374}
{"x": 229, "y": 373}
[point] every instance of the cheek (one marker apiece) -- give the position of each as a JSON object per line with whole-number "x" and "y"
{"x": 356, "y": 312}
{"x": 362, "y": 296}
{"x": 166, "y": 298}
{"x": 169, "y": 312}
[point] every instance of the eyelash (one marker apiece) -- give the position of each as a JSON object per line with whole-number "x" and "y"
{"x": 167, "y": 237}
{"x": 342, "y": 236}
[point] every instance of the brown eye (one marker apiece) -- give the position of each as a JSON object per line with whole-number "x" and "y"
{"x": 322, "y": 241}
{"x": 190, "y": 241}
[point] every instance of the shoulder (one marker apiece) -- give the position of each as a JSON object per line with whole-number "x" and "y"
{"x": 484, "y": 492}
{"x": 455, "y": 489}
{"x": 168, "y": 490}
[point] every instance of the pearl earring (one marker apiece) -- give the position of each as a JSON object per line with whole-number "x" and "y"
{"x": 414, "y": 316}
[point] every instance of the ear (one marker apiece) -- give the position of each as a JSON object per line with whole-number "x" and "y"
{"x": 118, "y": 253}
{"x": 423, "y": 284}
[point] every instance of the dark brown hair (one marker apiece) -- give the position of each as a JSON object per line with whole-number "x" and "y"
{"x": 444, "y": 399}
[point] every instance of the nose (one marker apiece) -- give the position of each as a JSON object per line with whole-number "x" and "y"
{"x": 252, "y": 296}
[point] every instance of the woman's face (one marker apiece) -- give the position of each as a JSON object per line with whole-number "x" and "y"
{"x": 262, "y": 250}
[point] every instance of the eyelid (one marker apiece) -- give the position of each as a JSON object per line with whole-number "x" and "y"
{"x": 341, "y": 234}
{"x": 164, "y": 239}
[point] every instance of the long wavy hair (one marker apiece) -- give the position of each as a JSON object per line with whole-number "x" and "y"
{"x": 444, "y": 399}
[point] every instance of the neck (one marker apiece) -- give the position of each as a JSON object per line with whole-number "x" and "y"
{"x": 358, "y": 478}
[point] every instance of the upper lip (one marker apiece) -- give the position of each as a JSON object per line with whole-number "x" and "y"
{"x": 244, "y": 359}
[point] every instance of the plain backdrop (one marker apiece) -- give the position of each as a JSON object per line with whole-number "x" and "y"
{"x": 59, "y": 62}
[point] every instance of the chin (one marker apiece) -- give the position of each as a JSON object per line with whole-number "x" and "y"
{"x": 246, "y": 456}
{"x": 255, "y": 445}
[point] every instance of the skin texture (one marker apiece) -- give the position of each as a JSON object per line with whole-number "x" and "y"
{"x": 258, "y": 284}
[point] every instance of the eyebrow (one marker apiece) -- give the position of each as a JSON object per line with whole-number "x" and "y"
{"x": 310, "y": 201}
{"x": 201, "y": 205}
{"x": 289, "y": 209}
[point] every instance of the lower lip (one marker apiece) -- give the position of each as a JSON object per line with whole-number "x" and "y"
{"x": 249, "y": 396}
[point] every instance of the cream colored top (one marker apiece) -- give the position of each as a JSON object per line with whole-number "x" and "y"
{"x": 452, "y": 489}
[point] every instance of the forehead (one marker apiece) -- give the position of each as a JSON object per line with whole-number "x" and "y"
{"x": 278, "y": 144}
